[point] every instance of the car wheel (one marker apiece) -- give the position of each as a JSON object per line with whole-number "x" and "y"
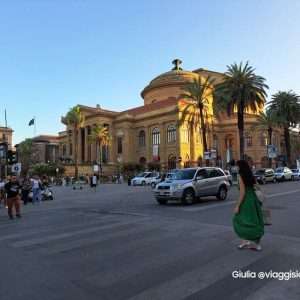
{"x": 162, "y": 201}
{"x": 188, "y": 197}
{"x": 153, "y": 185}
{"x": 222, "y": 193}
{"x": 143, "y": 182}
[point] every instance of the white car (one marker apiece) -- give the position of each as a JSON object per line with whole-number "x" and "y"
{"x": 296, "y": 174}
{"x": 160, "y": 179}
{"x": 144, "y": 178}
{"x": 283, "y": 173}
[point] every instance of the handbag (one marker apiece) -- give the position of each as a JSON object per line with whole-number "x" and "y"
{"x": 259, "y": 194}
{"x": 266, "y": 212}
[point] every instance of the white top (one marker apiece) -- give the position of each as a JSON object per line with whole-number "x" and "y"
{"x": 94, "y": 179}
{"x": 35, "y": 183}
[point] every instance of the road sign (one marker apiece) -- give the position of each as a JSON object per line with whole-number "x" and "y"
{"x": 213, "y": 154}
{"x": 207, "y": 155}
{"x": 16, "y": 168}
{"x": 272, "y": 151}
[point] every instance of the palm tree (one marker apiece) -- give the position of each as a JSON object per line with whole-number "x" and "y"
{"x": 240, "y": 90}
{"x": 266, "y": 121}
{"x": 199, "y": 92}
{"x": 100, "y": 135}
{"x": 75, "y": 119}
{"x": 286, "y": 107}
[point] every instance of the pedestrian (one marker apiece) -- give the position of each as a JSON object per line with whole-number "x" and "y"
{"x": 36, "y": 189}
{"x": 12, "y": 189}
{"x": 94, "y": 181}
{"x": 2, "y": 191}
{"x": 248, "y": 221}
{"x": 26, "y": 188}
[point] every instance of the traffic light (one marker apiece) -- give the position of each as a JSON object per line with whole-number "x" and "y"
{"x": 11, "y": 157}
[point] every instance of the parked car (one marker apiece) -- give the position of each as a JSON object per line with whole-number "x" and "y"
{"x": 144, "y": 178}
{"x": 263, "y": 176}
{"x": 296, "y": 174}
{"x": 187, "y": 185}
{"x": 229, "y": 176}
{"x": 159, "y": 179}
{"x": 283, "y": 173}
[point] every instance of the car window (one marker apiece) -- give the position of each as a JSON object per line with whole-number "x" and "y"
{"x": 201, "y": 174}
{"x": 214, "y": 173}
{"x": 184, "y": 174}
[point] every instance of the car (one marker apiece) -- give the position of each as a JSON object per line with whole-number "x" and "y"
{"x": 283, "y": 173}
{"x": 296, "y": 174}
{"x": 229, "y": 176}
{"x": 186, "y": 185}
{"x": 263, "y": 175}
{"x": 161, "y": 178}
{"x": 144, "y": 178}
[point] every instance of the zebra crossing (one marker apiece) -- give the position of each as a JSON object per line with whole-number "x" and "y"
{"x": 97, "y": 254}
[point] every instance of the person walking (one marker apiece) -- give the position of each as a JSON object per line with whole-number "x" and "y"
{"x": 26, "y": 188}
{"x": 36, "y": 189}
{"x": 248, "y": 221}
{"x": 94, "y": 181}
{"x": 12, "y": 189}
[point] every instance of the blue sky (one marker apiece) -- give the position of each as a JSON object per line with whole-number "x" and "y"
{"x": 55, "y": 54}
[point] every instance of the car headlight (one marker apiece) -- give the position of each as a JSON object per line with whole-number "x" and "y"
{"x": 177, "y": 186}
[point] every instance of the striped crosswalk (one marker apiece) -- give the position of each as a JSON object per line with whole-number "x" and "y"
{"x": 119, "y": 255}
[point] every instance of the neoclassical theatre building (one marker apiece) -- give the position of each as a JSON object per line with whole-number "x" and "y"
{"x": 155, "y": 132}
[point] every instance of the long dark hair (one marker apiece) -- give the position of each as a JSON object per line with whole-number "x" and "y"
{"x": 246, "y": 173}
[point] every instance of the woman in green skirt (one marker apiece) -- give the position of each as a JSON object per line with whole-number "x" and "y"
{"x": 248, "y": 221}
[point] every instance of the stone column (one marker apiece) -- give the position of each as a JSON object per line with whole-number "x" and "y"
{"x": 163, "y": 143}
{"x": 86, "y": 144}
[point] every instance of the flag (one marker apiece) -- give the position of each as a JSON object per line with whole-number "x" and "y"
{"x": 31, "y": 122}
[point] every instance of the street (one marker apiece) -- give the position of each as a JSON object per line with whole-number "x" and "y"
{"x": 118, "y": 243}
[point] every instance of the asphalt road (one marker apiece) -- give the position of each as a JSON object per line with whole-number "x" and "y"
{"x": 118, "y": 243}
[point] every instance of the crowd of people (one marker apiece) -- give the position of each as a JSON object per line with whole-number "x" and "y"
{"x": 14, "y": 189}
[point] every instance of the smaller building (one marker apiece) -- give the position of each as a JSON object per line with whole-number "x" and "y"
{"x": 6, "y": 135}
{"x": 46, "y": 148}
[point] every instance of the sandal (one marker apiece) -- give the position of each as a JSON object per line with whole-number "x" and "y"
{"x": 244, "y": 245}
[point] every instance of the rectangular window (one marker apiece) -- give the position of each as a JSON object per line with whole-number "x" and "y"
{"x": 120, "y": 145}
{"x": 71, "y": 150}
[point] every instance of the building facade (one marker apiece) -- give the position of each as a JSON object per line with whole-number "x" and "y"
{"x": 6, "y": 135}
{"x": 156, "y": 131}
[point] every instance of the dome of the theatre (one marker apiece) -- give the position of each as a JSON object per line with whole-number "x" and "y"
{"x": 168, "y": 84}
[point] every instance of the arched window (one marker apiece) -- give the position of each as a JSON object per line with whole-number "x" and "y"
{"x": 229, "y": 141}
{"x": 171, "y": 134}
{"x": 263, "y": 139}
{"x": 155, "y": 136}
{"x": 248, "y": 140}
{"x": 142, "y": 138}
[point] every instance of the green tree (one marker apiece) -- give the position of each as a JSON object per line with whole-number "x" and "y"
{"x": 286, "y": 108}
{"x": 100, "y": 135}
{"x": 75, "y": 120}
{"x": 26, "y": 154}
{"x": 266, "y": 121}
{"x": 240, "y": 90}
{"x": 198, "y": 92}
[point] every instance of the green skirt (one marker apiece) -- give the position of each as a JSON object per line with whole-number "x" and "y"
{"x": 248, "y": 224}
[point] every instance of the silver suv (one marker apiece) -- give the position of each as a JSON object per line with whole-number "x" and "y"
{"x": 187, "y": 185}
